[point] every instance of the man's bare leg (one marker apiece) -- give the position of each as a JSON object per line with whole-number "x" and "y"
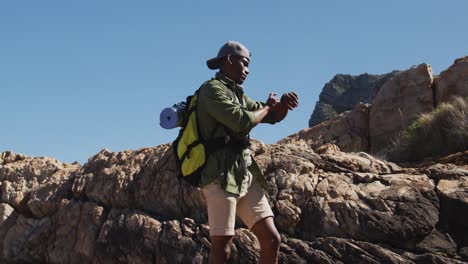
{"x": 269, "y": 239}
{"x": 220, "y": 249}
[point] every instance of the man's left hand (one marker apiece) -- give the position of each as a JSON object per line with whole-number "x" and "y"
{"x": 290, "y": 100}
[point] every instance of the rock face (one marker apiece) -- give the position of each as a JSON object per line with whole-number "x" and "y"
{"x": 33, "y": 186}
{"x": 401, "y": 97}
{"x": 453, "y": 81}
{"x": 343, "y": 92}
{"x": 349, "y": 130}
{"x": 372, "y": 128}
{"x": 332, "y": 207}
{"x": 400, "y": 101}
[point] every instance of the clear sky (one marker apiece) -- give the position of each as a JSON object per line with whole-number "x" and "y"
{"x": 80, "y": 76}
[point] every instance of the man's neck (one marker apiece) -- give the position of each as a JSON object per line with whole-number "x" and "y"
{"x": 224, "y": 75}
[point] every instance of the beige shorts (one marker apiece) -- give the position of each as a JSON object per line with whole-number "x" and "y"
{"x": 223, "y": 206}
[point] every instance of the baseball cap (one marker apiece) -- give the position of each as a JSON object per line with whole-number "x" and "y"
{"x": 231, "y": 47}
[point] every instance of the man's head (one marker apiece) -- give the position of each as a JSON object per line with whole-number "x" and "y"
{"x": 233, "y": 60}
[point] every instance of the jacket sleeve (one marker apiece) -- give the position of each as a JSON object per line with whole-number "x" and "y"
{"x": 219, "y": 106}
{"x": 255, "y": 105}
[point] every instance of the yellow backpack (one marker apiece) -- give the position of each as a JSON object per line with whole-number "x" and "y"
{"x": 190, "y": 148}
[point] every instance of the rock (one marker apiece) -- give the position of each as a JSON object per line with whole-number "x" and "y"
{"x": 453, "y": 81}
{"x": 26, "y": 240}
{"x": 328, "y": 149}
{"x": 33, "y": 186}
{"x": 464, "y": 253}
{"x": 67, "y": 237}
{"x": 453, "y": 195}
{"x": 437, "y": 242}
{"x": 430, "y": 258}
{"x": 360, "y": 162}
{"x": 8, "y": 218}
{"x": 445, "y": 171}
{"x": 76, "y": 226}
{"x": 459, "y": 158}
{"x": 131, "y": 236}
{"x": 330, "y": 207}
{"x": 10, "y": 157}
{"x": 343, "y": 92}
{"x": 288, "y": 215}
{"x": 350, "y": 251}
{"x": 395, "y": 209}
{"x": 246, "y": 248}
{"x": 144, "y": 179}
{"x": 357, "y": 197}
{"x": 6, "y": 212}
{"x": 349, "y": 131}
{"x": 298, "y": 251}
{"x": 400, "y": 101}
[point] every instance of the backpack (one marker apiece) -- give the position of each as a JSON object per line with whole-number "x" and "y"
{"x": 190, "y": 148}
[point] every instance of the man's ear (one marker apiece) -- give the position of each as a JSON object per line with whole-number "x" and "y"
{"x": 229, "y": 59}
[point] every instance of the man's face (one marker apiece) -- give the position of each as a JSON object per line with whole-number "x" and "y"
{"x": 239, "y": 69}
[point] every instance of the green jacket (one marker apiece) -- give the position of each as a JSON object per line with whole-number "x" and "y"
{"x": 217, "y": 113}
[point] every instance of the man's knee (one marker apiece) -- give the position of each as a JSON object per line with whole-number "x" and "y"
{"x": 275, "y": 241}
{"x": 221, "y": 248}
{"x": 267, "y": 234}
{"x": 270, "y": 241}
{"x": 225, "y": 249}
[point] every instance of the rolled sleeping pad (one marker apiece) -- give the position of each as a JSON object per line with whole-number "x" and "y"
{"x": 169, "y": 118}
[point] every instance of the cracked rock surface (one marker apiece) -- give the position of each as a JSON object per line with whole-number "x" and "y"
{"x": 330, "y": 207}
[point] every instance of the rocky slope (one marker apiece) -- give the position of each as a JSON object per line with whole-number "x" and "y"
{"x": 330, "y": 206}
{"x": 344, "y": 91}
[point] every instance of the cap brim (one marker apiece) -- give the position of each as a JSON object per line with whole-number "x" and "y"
{"x": 214, "y": 63}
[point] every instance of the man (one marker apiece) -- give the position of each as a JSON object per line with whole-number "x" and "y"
{"x": 232, "y": 182}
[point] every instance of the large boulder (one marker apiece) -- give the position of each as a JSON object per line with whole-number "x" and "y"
{"x": 453, "y": 81}
{"x": 350, "y": 196}
{"x": 132, "y": 236}
{"x": 344, "y": 91}
{"x": 66, "y": 237}
{"x": 349, "y": 131}
{"x": 144, "y": 179}
{"x": 453, "y": 193}
{"x": 34, "y": 186}
{"x": 399, "y": 102}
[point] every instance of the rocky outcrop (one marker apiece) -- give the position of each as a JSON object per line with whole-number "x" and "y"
{"x": 453, "y": 81}
{"x": 330, "y": 207}
{"x": 344, "y": 91}
{"x": 349, "y": 130}
{"x": 372, "y": 128}
{"x": 33, "y": 186}
{"x": 400, "y": 101}
{"x": 453, "y": 195}
{"x": 354, "y": 197}
{"x": 404, "y": 97}
{"x": 143, "y": 179}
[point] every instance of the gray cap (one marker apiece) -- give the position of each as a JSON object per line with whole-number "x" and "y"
{"x": 231, "y": 47}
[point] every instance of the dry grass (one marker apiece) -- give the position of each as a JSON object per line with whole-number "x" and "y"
{"x": 441, "y": 132}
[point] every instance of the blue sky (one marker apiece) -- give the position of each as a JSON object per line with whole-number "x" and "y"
{"x": 80, "y": 76}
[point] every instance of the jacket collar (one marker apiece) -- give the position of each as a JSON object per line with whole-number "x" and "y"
{"x": 228, "y": 82}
